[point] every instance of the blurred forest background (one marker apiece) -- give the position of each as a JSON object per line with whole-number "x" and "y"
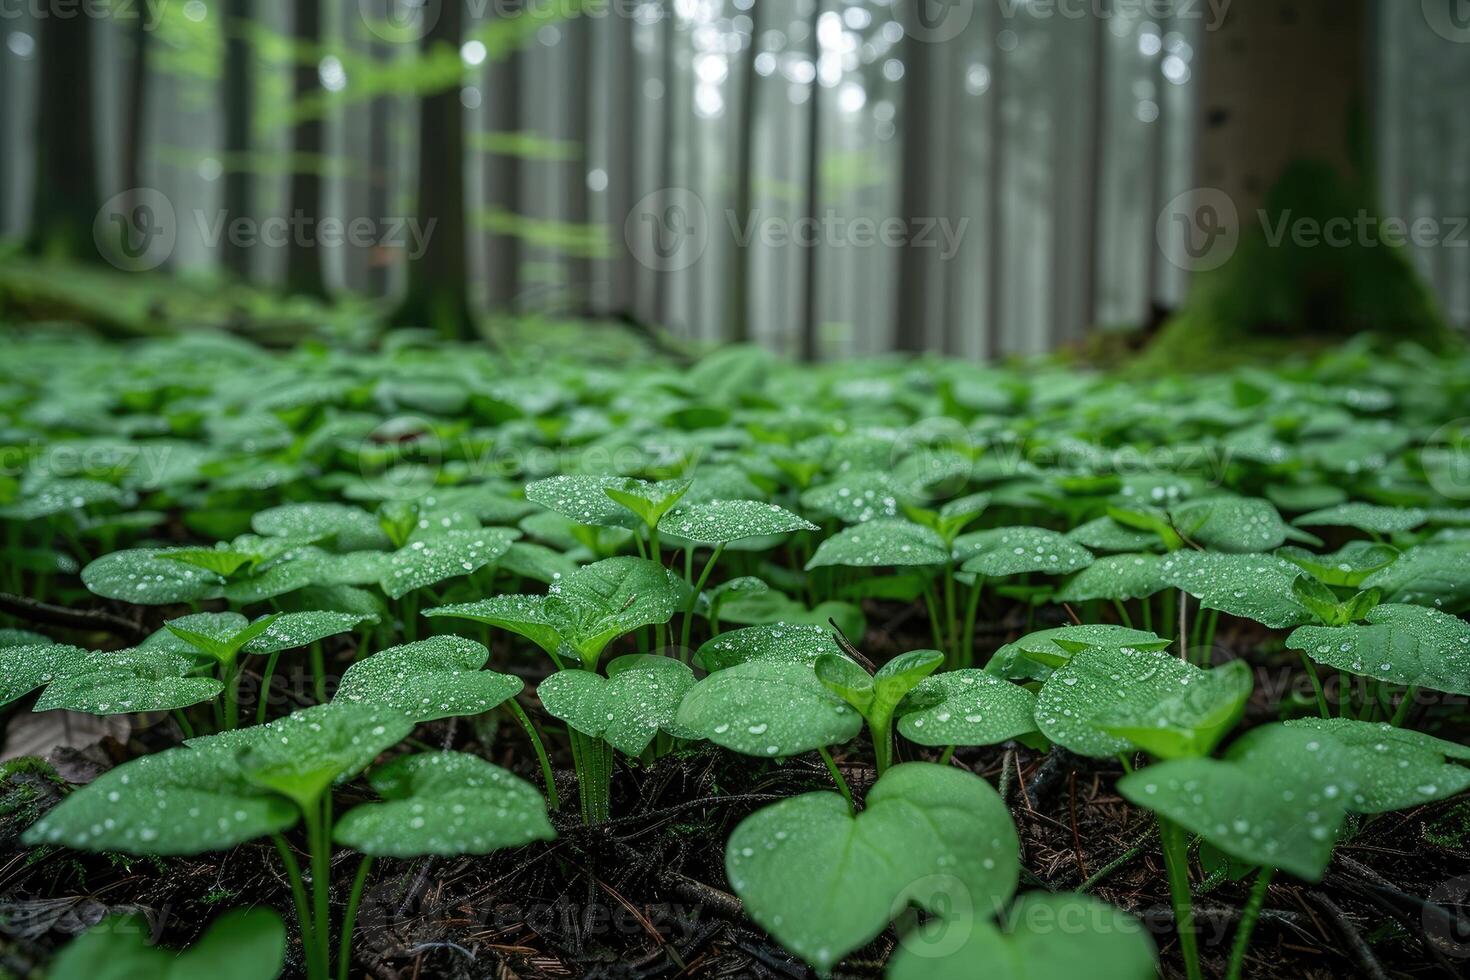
{"x": 1038, "y": 144}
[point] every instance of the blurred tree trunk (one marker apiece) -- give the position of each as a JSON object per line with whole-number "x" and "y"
{"x": 67, "y": 200}
{"x": 304, "y": 275}
{"x": 503, "y": 180}
{"x": 239, "y": 93}
{"x": 438, "y": 280}
{"x": 740, "y": 325}
{"x": 623, "y": 102}
{"x": 812, "y": 294}
{"x": 380, "y": 180}
{"x": 576, "y": 203}
{"x": 917, "y": 296}
{"x": 663, "y": 280}
{"x": 995, "y": 239}
{"x": 135, "y": 118}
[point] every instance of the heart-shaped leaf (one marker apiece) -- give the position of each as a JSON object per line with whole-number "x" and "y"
{"x": 581, "y": 498}
{"x": 639, "y": 697}
{"x": 1366, "y": 517}
{"x": 723, "y": 521}
{"x": 1408, "y": 645}
{"x": 147, "y": 577}
{"x": 179, "y": 801}
{"x": 128, "y": 682}
{"x": 1016, "y": 550}
{"x": 800, "y": 644}
{"x": 1106, "y": 534}
{"x": 1254, "y": 587}
{"x": 291, "y": 631}
{"x": 301, "y": 755}
{"x": 966, "y": 707}
{"x": 881, "y": 542}
{"x": 444, "y": 803}
{"x": 1232, "y": 524}
{"x": 1044, "y": 937}
{"x": 1396, "y": 768}
{"x": 649, "y": 502}
{"x": 824, "y": 882}
{"x": 524, "y": 615}
{"x": 1191, "y": 721}
{"x": 440, "y": 677}
{"x": 1278, "y": 798}
{"x": 348, "y": 528}
{"x": 25, "y": 668}
{"x": 855, "y": 498}
{"x": 1034, "y": 654}
{"x": 606, "y": 599}
{"x": 430, "y": 561}
{"x": 767, "y": 707}
{"x": 244, "y": 944}
{"x": 1347, "y": 567}
{"x": 1121, "y": 577}
{"x": 1436, "y": 575}
{"x": 1081, "y": 697}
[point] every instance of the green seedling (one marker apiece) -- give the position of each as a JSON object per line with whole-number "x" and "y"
{"x": 246, "y": 944}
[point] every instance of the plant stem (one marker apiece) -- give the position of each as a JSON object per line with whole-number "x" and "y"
{"x": 883, "y": 746}
{"x": 265, "y": 687}
{"x": 837, "y": 777}
{"x": 183, "y": 721}
{"x": 946, "y": 756}
{"x": 951, "y": 612}
{"x": 1123, "y": 616}
{"x": 931, "y": 600}
{"x": 592, "y": 758}
{"x": 319, "y": 673}
{"x": 298, "y": 897}
{"x": 230, "y": 674}
{"x": 1322, "y": 708}
{"x": 349, "y": 918}
{"x": 319, "y": 843}
{"x": 1248, "y": 917}
{"x": 709, "y": 566}
{"x": 1404, "y": 706}
{"x": 1176, "y": 861}
{"x": 546, "y": 773}
{"x": 1183, "y": 624}
{"x": 972, "y": 609}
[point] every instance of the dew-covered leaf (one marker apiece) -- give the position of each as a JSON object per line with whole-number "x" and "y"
{"x": 604, "y": 600}
{"x": 767, "y": 707}
{"x": 178, "y": 801}
{"x": 881, "y": 542}
{"x": 1436, "y": 575}
{"x": 723, "y": 521}
{"x": 1121, "y": 577}
{"x": 1006, "y": 551}
{"x": 1254, "y": 587}
{"x": 1043, "y": 937}
{"x": 1278, "y": 798}
{"x": 348, "y": 528}
{"x": 824, "y": 881}
{"x": 524, "y": 615}
{"x": 966, "y": 707}
{"x": 855, "y": 498}
{"x": 25, "y": 668}
{"x": 291, "y": 631}
{"x": 785, "y": 642}
{"x": 444, "y": 803}
{"x": 440, "y": 677}
{"x": 1188, "y": 723}
{"x": 536, "y": 562}
{"x": 639, "y": 697}
{"x": 1366, "y": 517}
{"x": 45, "y": 497}
{"x": 1347, "y": 567}
{"x": 1034, "y": 654}
{"x": 128, "y": 682}
{"x": 1397, "y": 768}
{"x": 1106, "y": 534}
{"x": 243, "y": 944}
{"x": 145, "y": 576}
{"x": 581, "y": 498}
{"x": 430, "y": 561}
{"x": 1241, "y": 525}
{"x": 1080, "y": 697}
{"x": 1401, "y": 644}
{"x": 648, "y": 501}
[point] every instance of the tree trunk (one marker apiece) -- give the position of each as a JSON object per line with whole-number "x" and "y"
{"x": 135, "y": 118}
{"x": 811, "y": 296}
{"x": 503, "y": 181}
{"x": 623, "y": 101}
{"x": 576, "y": 202}
{"x": 916, "y": 296}
{"x": 304, "y": 275}
{"x": 239, "y": 82}
{"x": 438, "y": 280}
{"x": 67, "y": 200}
{"x": 740, "y": 326}
{"x": 663, "y": 280}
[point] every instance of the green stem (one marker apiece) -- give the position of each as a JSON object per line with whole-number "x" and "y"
{"x": 653, "y": 544}
{"x": 592, "y": 758}
{"x": 1404, "y": 706}
{"x": 319, "y": 843}
{"x": 349, "y": 918}
{"x": 1183, "y": 624}
{"x": 230, "y": 675}
{"x": 546, "y": 772}
{"x": 709, "y": 566}
{"x": 265, "y": 687}
{"x": 183, "y": 721}
{"x": 319, "y": 672}
{"x": 837, "y": 777}
{"x": 972, "y": 609}
{"x": 1322, "y": 708}
{"x": 1123, "y": 616}
{"x": 298, "y": 897}
{"x": 882, "y": 746}
{"x": 1148, "y": 613}
{"x": 1176, "y": 861}
{"x": 931, "y": 600}
{"x": 951, "y": 613}
{"x": 1248, "y": 917}
{"x": 946, "y": 756}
